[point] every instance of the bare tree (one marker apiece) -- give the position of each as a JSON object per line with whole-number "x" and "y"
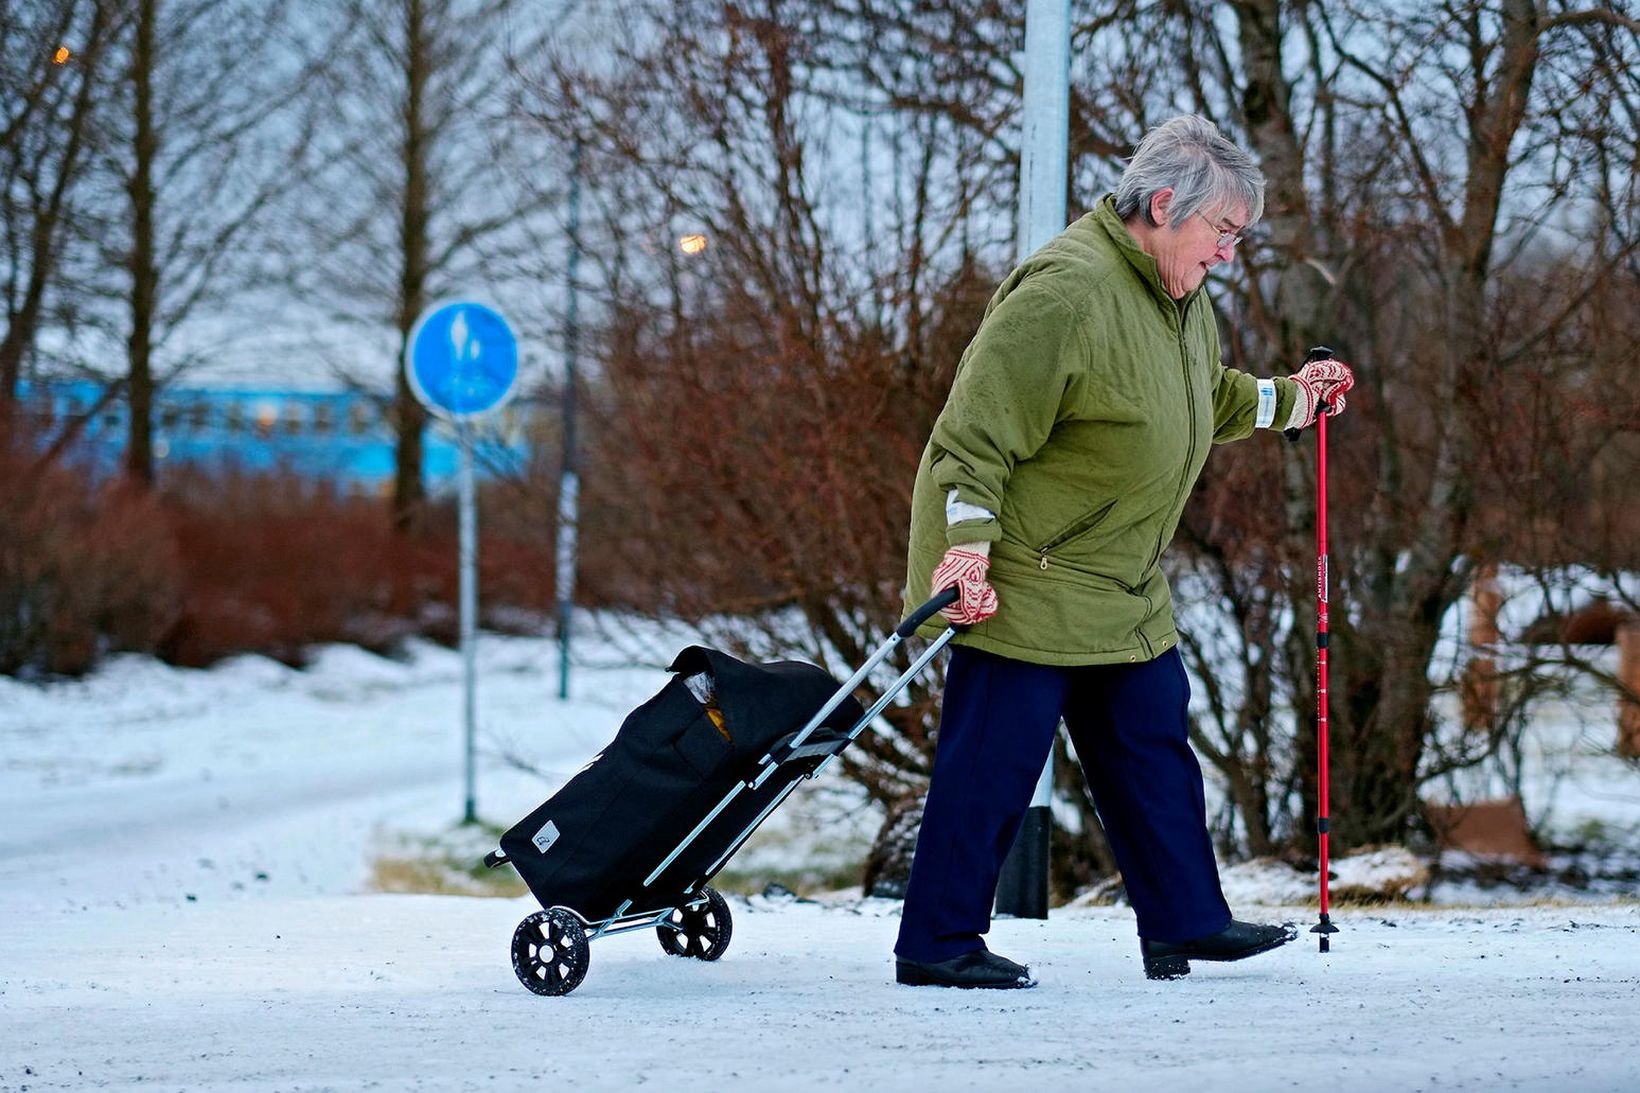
{"x": 202, "y": 135}
{"x": 417, "y": 197}
{"x": 46, "y": 143}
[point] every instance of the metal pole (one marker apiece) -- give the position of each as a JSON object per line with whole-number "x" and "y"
{"x": 468, "y": 550}
{"x": 1323, "y": 590}
{"x": 1044, "y": 148}
{"x": 1022, "y": 889}
{"x": 1323, "y": 596}
{"x": 569, "y": 482}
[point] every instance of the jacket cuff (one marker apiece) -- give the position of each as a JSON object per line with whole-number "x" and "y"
{"x": 967, "y": 521}
{"x": 972, "y": 531}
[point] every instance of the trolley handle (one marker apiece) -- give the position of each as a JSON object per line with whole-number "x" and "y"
{"x": 927, "y": 611}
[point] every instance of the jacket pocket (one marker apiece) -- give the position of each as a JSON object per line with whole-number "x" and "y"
{"x": 1075, "y": 530}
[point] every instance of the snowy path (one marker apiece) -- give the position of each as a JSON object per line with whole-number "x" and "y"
{"x": 415, "y": 992}
{"x": 183, "y": 863}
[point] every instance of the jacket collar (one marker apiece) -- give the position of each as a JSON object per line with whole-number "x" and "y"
{"x": 1143, "y": 265}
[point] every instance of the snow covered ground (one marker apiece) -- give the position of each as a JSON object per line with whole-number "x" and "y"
{"x": 185, "y": 903}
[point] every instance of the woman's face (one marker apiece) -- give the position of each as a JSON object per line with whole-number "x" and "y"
{"x": 1185, "y": 251}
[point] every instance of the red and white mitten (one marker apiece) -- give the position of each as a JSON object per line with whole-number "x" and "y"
{"x": 965, "y": 567}
{"x": 1319, "y": 381}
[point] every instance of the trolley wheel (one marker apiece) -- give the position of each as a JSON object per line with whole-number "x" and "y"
{"x": 550, "y": 952}
{"x": 701, "y": 931}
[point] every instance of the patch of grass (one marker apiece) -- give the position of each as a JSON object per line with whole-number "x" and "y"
{"x": 440, "y": 878}
{"x": 803, "y": 881}
{"x": 449, "y": 863}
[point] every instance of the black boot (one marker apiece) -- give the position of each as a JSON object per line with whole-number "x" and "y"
{"x": 978, "y": 969}
{"x": 1237, "y": 941}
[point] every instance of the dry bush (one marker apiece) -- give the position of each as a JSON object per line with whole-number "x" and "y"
{"x": 85, "y": 566}
{"x": 226, "y": 564}
{"x": 275, "y": 564}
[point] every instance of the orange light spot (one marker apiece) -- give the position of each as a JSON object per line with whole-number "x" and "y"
{"x": 61, "y": 56}
{"x": 692, "y": 244}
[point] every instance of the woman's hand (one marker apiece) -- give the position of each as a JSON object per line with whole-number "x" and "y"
{"x": 964, "y": 567}
{"x": 1318, "y": 382}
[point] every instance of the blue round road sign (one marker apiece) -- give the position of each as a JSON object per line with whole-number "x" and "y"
{"x": 461, "y": 359}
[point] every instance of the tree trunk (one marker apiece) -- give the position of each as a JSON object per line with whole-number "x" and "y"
{"x": 409, "y": 418}
{"x": 1479, "y": 688}
{"x": 139, "y": 451}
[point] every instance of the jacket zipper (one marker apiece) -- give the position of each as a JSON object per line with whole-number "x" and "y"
{"x": 1190, "y": 416}
{"x": 1080, "y": 527}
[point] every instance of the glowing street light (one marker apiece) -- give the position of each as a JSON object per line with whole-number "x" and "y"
{"x": 692, "y": 244}
{"x": 61, "y": 56}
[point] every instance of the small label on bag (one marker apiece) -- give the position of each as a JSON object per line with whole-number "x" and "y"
{"x": 546, "y": 837}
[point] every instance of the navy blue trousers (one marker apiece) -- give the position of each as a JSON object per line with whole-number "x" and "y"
{"x": 1128, "y": 725}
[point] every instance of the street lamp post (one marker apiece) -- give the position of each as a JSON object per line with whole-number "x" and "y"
{"x": 1022, "y": 890}
{"x": 569, "y": 481}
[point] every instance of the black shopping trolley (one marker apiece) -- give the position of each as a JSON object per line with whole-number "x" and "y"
{"x": 712, "y": 755}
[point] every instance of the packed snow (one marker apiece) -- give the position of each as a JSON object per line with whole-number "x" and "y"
{"x": 188, "y": 899}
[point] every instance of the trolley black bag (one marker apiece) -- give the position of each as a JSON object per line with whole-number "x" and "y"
{"x": 595, "y": 845}
{"x": 630, "y": 842}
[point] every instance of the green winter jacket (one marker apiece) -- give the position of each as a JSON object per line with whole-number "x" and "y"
{"x": 1081, "y": 415}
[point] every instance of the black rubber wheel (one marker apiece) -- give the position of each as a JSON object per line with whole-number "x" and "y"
{"x": 550, "y": 952}
{"x": 701, "y": 931}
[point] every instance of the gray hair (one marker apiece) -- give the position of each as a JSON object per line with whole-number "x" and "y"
{"x": 1202, "y": 167}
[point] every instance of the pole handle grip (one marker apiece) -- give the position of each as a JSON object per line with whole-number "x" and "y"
{"x": 1318, "y": 353}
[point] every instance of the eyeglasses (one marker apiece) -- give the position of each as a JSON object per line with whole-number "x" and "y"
{"x": 1228, "y": 240}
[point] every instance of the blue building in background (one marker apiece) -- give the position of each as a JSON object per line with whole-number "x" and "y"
{"x": 342, "y": 438}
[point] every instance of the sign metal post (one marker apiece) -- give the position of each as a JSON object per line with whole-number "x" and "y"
{"x": 462, "y": 363}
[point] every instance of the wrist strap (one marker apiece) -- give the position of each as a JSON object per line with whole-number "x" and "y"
{"x": 1266, "y": 404}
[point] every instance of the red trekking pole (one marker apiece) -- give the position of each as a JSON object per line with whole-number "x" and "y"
{"x": 1322, "y": 588}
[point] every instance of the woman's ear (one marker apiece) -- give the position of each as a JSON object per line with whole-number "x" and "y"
{"x": 1160, "y": 203}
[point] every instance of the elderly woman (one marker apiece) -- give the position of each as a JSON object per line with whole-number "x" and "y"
{"x": 1079, "y": 419}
